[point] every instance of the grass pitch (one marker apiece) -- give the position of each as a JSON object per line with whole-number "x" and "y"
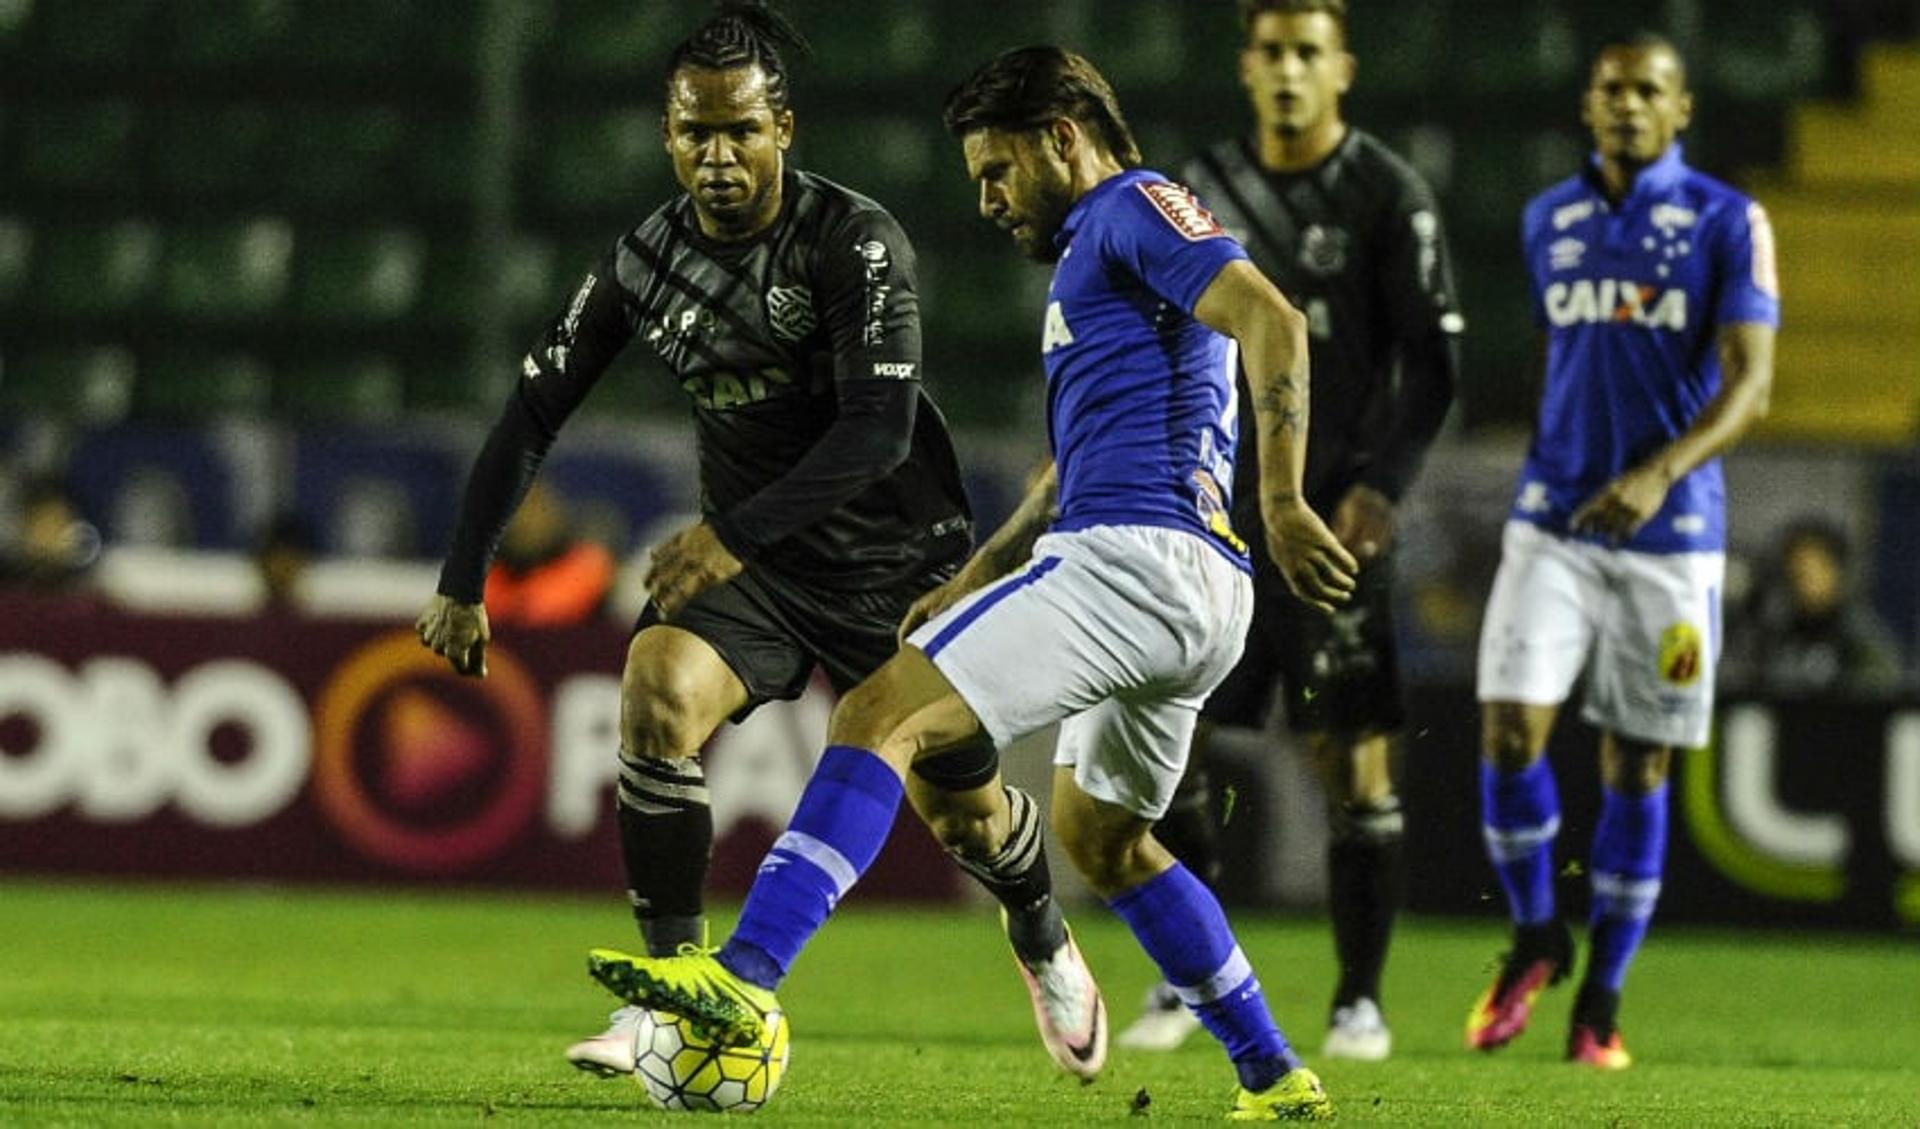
{"x": 140, "y": 1005}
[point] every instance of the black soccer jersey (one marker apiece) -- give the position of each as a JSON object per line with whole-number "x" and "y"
{"x": 803, "y": 331}
{"x": 1356, "y": 244}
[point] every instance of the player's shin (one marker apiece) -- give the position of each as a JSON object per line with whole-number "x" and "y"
{"x": 842, "y": 821}
{"x": 1520, "y": 814}
{"x": 1017, "y": 876}
{"x": 1363, "y": 887}
{"x": 1180, "y": 924}
{"x": 1629, "y": 850}
{"x": 666, "y": 843}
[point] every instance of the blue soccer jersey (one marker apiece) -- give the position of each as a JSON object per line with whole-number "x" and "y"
{"x": 1141, "y": 403}
{"x": 1632, "y": 298}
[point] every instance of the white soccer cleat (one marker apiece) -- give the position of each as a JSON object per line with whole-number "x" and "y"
{"x": 1068, "y": 1010}
{"x": 1164, "y": 1022}
{"x": 610, "y": 1053}
{"x": 1358, "y": 1032}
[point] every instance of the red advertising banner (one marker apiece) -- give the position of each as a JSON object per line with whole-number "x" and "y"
{"x": 304, "y": 749}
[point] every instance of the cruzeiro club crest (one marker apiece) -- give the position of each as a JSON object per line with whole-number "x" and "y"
{"x": 790, "y": 311}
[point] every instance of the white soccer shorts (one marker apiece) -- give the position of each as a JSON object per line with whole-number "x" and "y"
{"x": 1649, "y": 622}
{"x": 1117, "y": 632}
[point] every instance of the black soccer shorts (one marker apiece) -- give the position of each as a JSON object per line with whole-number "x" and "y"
{"x": 1339, "y": 673}
{"x": 772, "y": 631}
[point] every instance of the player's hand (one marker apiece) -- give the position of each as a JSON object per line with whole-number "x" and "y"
{"x": 457, "y": 632}
{"x": 1363, "y": 522}
{"x": 687, "y": 564}
{"x": 1317, "y": 568}
{"x": 934, "y": 603}
{"x": 1623, "y": 505}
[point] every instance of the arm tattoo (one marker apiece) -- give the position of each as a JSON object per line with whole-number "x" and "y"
{"x": 1281, "y": 406}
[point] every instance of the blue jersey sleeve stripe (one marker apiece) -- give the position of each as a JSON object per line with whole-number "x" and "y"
{"x": 985, "y": 604}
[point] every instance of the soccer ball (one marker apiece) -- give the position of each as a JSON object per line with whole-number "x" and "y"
{"x": 683, "y": 1071}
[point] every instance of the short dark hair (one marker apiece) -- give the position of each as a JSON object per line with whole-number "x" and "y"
{"x": 1645, "y": 41}
{"x": 1027, "y": 87}
{"x": 743, "y": 33}
{"x": 1253, "y": 9}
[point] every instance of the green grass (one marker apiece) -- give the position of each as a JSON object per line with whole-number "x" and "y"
{"x": 145, "y": 1004}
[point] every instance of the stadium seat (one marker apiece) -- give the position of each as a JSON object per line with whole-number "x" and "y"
{"x": 1140, "y": 45}
{"x": 458, "y": 274}
{"x": 602, "y": 164}
{"x": 1400, "y": 48}
{"x": 340, "y": 160}
{"x": 373, "y": 493}
{"x": 202, "y": 151}
{"x": 68, "y": 150}
{"x": 889, "y": 158}
{"x": 16, "y": 27}
{"x": 91, "y": 384}
{"x": 220, "y": 34}
{"x": 896, "y": 41}
{"x": 227, "y": 272}
{"x": 357, "y": 277}
{"x": 355, "y": 390}
{"x": 16, "y": 256}
{"x": 200, "y": 385}
{"x": 1516, "y": 50}
{"x": 335, "y": 36}
{"x": 147, "y": 484}
{"x": 440, "y": 163}
{"x": 1765, "y": 53}
{"x": 105, "y": 33}
{"x": 587, "y": 39}
{"x": 452, "y": 385}
{"x": 94, "y": 270}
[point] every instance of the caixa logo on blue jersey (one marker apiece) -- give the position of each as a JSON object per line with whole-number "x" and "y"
{"x": 1620, "y": 301}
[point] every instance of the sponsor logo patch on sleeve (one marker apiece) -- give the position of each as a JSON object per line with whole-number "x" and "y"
{"x": 1177, "y": 205}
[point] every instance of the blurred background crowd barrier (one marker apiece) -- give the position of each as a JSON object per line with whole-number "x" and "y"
{"x": 269, "y": 265}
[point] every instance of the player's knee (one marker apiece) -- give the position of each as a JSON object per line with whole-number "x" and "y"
{"x": 1375, "y": 822}
{"x": 1640, "y": 773}
{"x": 656, "y": 713}
{"x": 1507, "y": 743}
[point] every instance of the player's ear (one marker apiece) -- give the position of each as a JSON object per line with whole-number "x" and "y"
{"x": 1683, "y": 110}
{"x": 783, "y": 128}
{"x": 1349, "y": 66}
{"x": 1062, "y": 133}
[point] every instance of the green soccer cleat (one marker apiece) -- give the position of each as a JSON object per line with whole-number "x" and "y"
{"x": 718, "y": 1005}
{"x": 1298, "y": 1096}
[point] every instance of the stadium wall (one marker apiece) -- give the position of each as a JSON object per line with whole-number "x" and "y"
{"x": 307, "y": 750}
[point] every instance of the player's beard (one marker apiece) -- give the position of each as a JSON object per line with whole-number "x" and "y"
{"x": 1044, "y": 220}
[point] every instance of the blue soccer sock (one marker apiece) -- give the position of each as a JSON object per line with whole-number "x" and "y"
{"x": 842, "y": 821}
{"x": 1520, "y": 815}
{"x": 1629, "y": 849}
{"x": 1179, "y": 923}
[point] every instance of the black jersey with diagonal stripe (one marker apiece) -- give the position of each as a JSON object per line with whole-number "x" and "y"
{"x": 765, "y": 336}
{"x": 1356, "y": 243}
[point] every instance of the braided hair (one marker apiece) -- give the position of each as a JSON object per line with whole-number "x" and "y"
{"x": 743, "y": 33}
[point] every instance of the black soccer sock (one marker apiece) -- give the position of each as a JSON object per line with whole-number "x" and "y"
{"x": 1363, "y": 886}
{"x": 1017, "y": 876}
{"x": 1598, "y": 1007}
{"x": 666, "y": 840}
{"x": 1188, "y": 830}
